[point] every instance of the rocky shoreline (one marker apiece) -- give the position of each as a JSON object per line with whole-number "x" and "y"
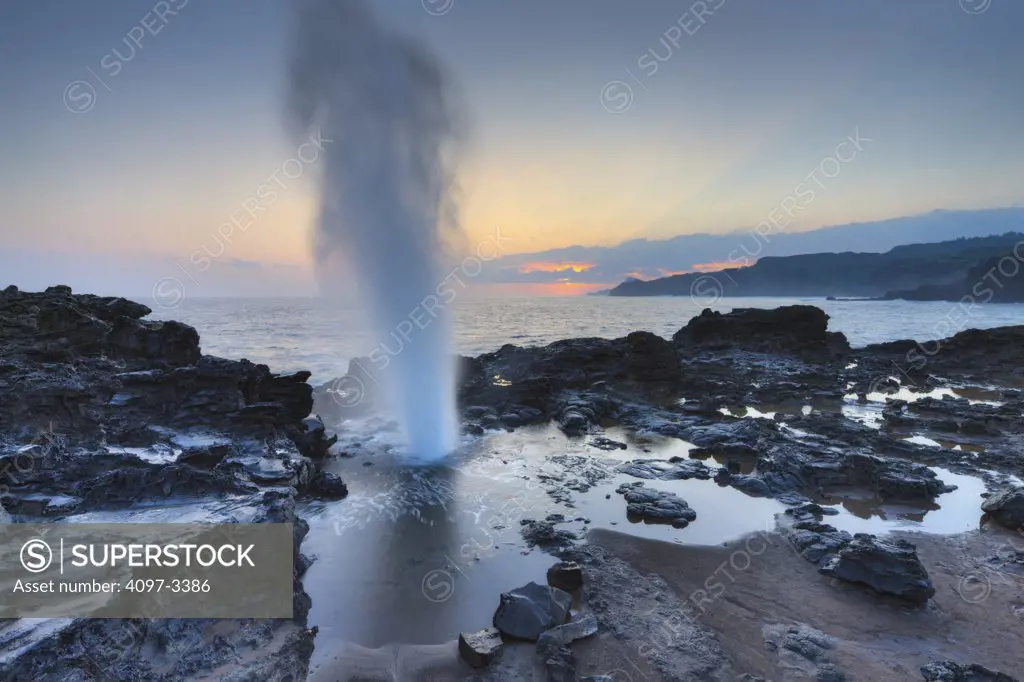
{"x": 830, "y": 421}
{"x": 103, "y": 412}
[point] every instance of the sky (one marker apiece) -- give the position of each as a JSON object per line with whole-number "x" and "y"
{"x": 130, "y": 131}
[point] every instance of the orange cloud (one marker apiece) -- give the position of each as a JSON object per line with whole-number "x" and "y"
{"x": 545, "y": 266}
{"x": 561, "y": 288}
{"x": 718, "y": 267}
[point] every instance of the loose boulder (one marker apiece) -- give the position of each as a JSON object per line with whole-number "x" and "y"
{"x": 887, "y": 566}
{"x": 328, "y": 485}
{"x": 566, "y": 575}
{"x": 482, "y": 648}
{"x": 1006, "y": 508}
{"x": 526, "y": 612}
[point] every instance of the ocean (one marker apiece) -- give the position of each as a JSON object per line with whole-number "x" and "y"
{"x": 291, "y": 334}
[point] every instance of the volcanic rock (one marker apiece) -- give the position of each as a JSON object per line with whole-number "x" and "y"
{"x": 948, "y": 671}
{"x": 815, "y": 540}
{"x": 528, "y": 611}
{"x": 656, "y": 505}
{"x": 887, "y": 566}
{"x": 790, "y": 329}
{"x": 1006, "y": 507}
{"x": 544, "y": 534}
{"x": 328, "y": 485}
{"x": 568, "y": 633}
{"x": 480, "y": 649}
{"x": 790, "y": 465}
{"x": 103, "y": 410}
{"x": 657, "y": 469}
{"x": 559, "y": 662}
{"x": 566, "y": 575}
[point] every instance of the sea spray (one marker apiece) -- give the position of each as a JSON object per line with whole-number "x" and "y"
{"x": 385, "y": 207}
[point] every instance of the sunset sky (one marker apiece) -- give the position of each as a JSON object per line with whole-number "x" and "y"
{"x": 593, "y": 122}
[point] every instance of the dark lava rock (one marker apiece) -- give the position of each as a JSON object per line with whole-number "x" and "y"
{"x": 803, "y": 651}
{"x": 650, "y": 358}
{"x": 655, "y": 505}
{"x": 328, "y": 485}
{"x": 544, "y": 534}
{"x": 482, "y": 648}
{"x": 603, "y": 443}
{"x": 816, "y": 540}
{"x": 658, "y": 469}
{"x": 734, "y": 437}
{"x": 791, "y": 465}
{"x": 810, "y": 510}
{"x": 553, "y": 647}
{"x": 751, "y": 485}
{"x": 566, "y": 575}
{"x": 1006, "y": 507}
{"x": 828, "y": 672}
{"x": 559, "y": 662}
{"x": 948, "y": 671}
{"x": 887, "y": 566}
{"x": 573, "y": 423}
{"x": 312, "y": 439}
{"x": 118, "y": 411}
{"x": 789, "y": 329}
{"x": 562, "y": 635}
{"x": 526, "y": 612}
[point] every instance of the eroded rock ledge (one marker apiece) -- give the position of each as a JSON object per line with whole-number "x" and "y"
{"x": 102, "y": 411}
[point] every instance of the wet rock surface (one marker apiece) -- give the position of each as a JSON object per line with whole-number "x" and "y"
{"x": 815, "y": 540}
{"x": 792, "y": 329}
{"x": 104, "y": 411}
{"x": 949, "y": 671}
{"x": 545, "y": 534}
{"x": 528, "y": 611}
{"x": 115, "y": 411}
{"x": 889, "y": 567}
{"x": 805, "y": 649}
{"x": 480, "y": 649}
{"x": 566, "y": 575}
{"x": 656, "y": 506}
{"x": 641, "y": 612}
{"x": 665, "y": 471}
{"x": 1006, "y": 507}
{"x": 563, "y": 635}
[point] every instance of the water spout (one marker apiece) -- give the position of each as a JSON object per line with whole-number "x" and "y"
{"x": 384, "y": 103}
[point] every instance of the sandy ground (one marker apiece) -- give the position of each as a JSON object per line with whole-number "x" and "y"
{"x": 975, "y": 617}
{"x": 672, "y": 612}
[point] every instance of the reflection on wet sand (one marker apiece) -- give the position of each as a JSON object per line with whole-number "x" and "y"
{"x": 414, "y": 556}
{"x": 417, "y": 572}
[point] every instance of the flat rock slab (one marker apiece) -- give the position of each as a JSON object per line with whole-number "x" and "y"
{"x": 526, "y": 612}
{"x": 815, "y": 540}
{"x": 563, "y": 635}
{"x": 948, "y": 671}
{"x": 661, "y": 470}
{"x": 480, "y": 649}
{"x": 655, "y": 505}
{"x": 887, "y": 566}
